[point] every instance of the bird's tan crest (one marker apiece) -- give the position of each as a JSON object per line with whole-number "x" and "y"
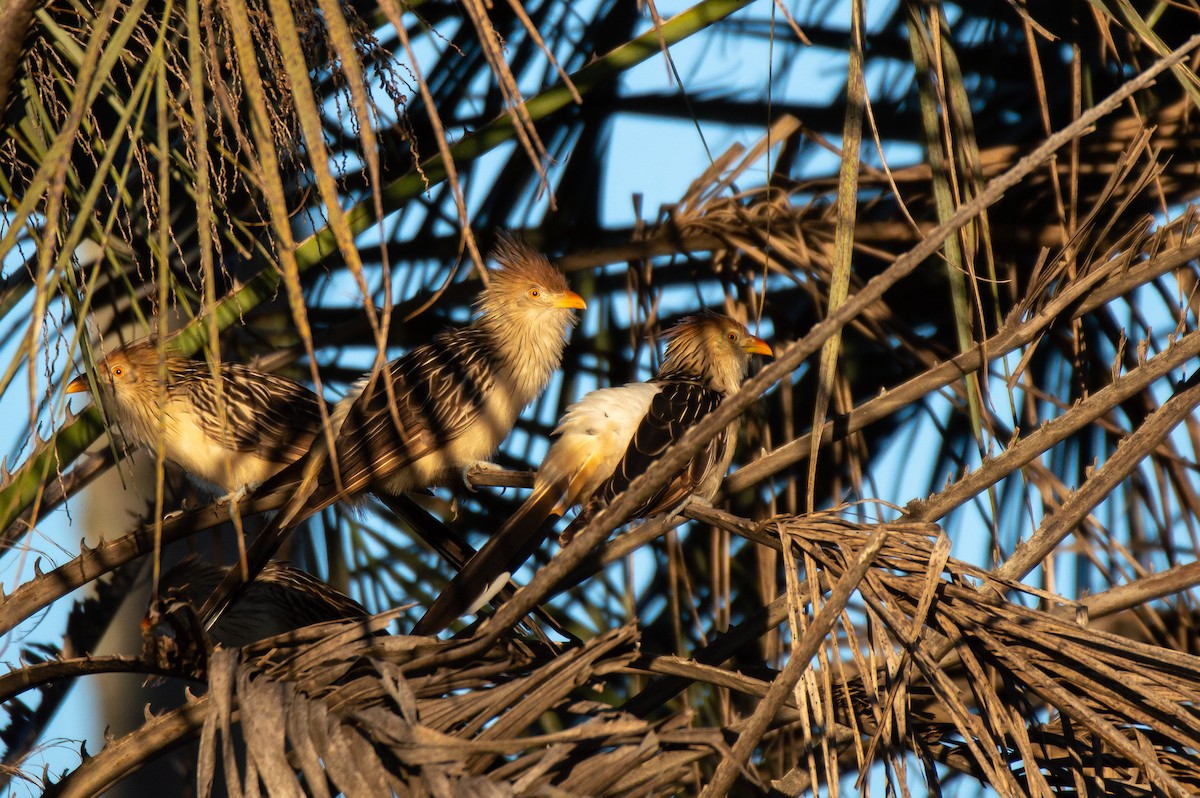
{"x": 519, "y": 263}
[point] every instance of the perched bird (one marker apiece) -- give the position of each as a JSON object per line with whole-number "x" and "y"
{"x": 437, "y": 410}
{"x": 280, "y": 600}
{"x": 608, "y": 439}
{"x": 268, "y": 421}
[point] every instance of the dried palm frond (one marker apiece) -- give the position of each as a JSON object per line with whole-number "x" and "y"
{"x": 933, "y": 662}
{"x": 336, "y": 703}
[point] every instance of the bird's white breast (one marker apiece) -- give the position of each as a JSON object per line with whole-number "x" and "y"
{"x": 593, "y": 435}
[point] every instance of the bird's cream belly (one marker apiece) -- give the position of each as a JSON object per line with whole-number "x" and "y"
{"x": 188, "y": 446}
{"x": 476, "y": 442}
{"x": 592, "y": 438}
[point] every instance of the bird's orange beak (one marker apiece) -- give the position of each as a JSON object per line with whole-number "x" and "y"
{"x": 570, "y": 299}
{"x": 756, "y": 346}
{"x": 78, "y": 385}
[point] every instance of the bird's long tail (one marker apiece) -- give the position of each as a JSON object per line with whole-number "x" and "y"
{"x": 488, "y": 571}
{"x": 454, "y": 549}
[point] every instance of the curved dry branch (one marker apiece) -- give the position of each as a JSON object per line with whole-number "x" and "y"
{"x": 31, "y": 676}
{"x": 123, "y": 757}
{"x": 1108, "y": 688}
{"x": 678, "y": 455}
{"x": 46, "y": 588}
{"x": 1095, "y": 289}
{"x": 1077, "y": 418}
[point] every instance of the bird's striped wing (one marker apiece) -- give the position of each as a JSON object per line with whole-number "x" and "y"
{"x": 264, "y": 413}
{"x": 676, "y": 407}
{"x": 440, "y": 389}
{"x": 281, "y": 599}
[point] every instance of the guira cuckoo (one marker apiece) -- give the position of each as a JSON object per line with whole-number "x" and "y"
{"x": 436, "y": 410}
{"x": 235, "y": 436}
{"x": 609, "y": 438}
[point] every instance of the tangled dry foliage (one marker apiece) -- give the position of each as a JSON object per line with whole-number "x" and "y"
{"x": 767, "y": 647}
{"x": 937, "y": 660}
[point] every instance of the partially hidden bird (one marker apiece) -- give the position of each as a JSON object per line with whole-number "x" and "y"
{"x": 606, "y": 440}
{"x": 435, "y": 411}
{"x": 269, "y": 422}
{"x": 281, "y": 599}
{"x": 234, "y": 436}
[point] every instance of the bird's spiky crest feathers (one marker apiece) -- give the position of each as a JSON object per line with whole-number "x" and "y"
{"x": 524, "y": 304}
{"x": 518, "y": 265}
{"x": 699, "y": 348}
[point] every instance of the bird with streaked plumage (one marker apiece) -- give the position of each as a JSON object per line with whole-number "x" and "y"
{"x": 608, "y": 439}
{"x": 282, "y": 599}
{"x": 234, "y": 437}
{"x": 438, "y": 409}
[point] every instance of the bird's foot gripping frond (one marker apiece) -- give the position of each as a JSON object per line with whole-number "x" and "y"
{"x": 572, "y": 529}
{"x": 471, "y": 473}
{"x": 234, "y": 500}
{"x": 235, "y": 496}
{"x": 691, "y": 500}
{"x": 484, "y": 474}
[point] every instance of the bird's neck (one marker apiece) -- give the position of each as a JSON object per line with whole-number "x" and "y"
{"x": 137, "y": 412}
{"x": 723, "y": 377}
{"x": 526, "y": 355}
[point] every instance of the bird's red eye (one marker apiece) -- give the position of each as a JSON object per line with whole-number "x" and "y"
{"x": 534, "y": 293}
{"x": 118, "y": 371}
{"x": 732, "y": 337}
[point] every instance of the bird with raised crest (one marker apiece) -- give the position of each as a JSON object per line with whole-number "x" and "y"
{"x": 437, "y": 410}
{"x": 606, "y": 440}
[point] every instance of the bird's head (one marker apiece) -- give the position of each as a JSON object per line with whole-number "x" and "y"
{"x": 526, "y": 292}
{"x": 711, "y": 347}
{"x": 124, "y": 372}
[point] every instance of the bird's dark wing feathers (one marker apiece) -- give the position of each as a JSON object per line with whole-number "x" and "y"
{"x": 272, "y": 415}
{"x": 308, "y": 599}
{"x": 439, "y": 389}
{"x": 678, "y": 406}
